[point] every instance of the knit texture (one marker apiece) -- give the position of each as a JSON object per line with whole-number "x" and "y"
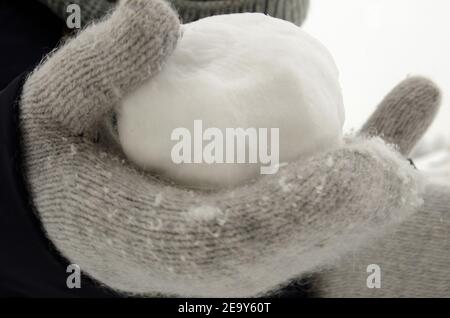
{"x": 414, "y": 256}
{"x": 291, "y": 10}
{"x": 138, "y": 234}
{"x": 192, "y": 10}
{"x": 405, "y": 114}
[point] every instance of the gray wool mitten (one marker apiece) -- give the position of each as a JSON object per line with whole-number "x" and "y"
{"x": 191, "y": 10}
{"x": 413, "y": 257}
{"x": 141, "y": 235}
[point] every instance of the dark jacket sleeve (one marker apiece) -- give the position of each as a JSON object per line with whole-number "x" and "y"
{"x": 28, "y": 31}
{"x": 30, "y": 266}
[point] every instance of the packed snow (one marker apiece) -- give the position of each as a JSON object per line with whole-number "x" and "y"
{"x": 235, "y": 71}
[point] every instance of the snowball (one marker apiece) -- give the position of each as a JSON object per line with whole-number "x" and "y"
{"x": 235, "y": 71}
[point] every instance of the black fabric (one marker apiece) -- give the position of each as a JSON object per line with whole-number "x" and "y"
{"x": 28, "y": 31}
{"x": 29, "y": 264}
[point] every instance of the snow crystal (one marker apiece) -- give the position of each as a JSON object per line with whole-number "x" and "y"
{"x": 221, "y": 221}
{"x": 73, "y": 150}
{"x": 204, "y": 213}
{"x": 215, "y": 234}
{"x": 310, "y": 115}
{"x": 111, "y": 213}
{"x": 49, "y": 162}
{"x": 130, "y": 219}
{"x": 319, "y": 189}
{"x": 286, "y": 187}
{"x": 330, "y": 162}
{"x": 158, "y": 200}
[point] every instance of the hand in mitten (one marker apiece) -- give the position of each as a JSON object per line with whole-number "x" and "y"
{"x": 413, "y": 257}
{"x": 137, "y": 234}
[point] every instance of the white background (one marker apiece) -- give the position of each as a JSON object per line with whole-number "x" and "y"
{"x": 377, "y": 43}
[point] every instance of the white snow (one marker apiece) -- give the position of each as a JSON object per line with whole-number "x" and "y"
{"x": 204, "y": 213}
{"x": 377, "y": 44}
{"x": 285, "y": 187}
{"x": 235, "y": 71}
{"x": 73, "y": 150}
{"x": 158, "y": 199}
{"x": 330, "y": 162}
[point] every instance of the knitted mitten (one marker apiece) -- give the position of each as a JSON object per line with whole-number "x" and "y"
{"x": 138, "y": 234}
{"x": 191, "y": 10}
{"x": 414, "y": 257}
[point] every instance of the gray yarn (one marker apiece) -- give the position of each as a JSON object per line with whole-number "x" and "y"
{"x": 141, "y": 235}
{"x": 414, "y": 256}
{"x": 397, "y": 117}
{"x": 290, "y": 10}
{"x": 191, "y": 10}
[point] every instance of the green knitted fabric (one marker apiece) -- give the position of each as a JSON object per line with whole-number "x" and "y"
{"x": 191, "y": 10}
